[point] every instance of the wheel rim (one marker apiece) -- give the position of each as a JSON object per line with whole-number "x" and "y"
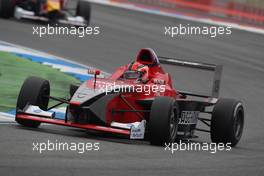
{"x": 238, "y": 125}
{"x": 173, "y": 124}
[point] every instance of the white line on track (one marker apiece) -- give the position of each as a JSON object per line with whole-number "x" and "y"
{"x": 10, "y": 47}
{"x": 6, "y": 118}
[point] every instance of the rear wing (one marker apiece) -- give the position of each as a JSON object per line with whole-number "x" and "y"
{"x": 217, "y": 69}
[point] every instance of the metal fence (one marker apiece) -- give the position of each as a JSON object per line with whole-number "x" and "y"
{"x": 249, "y": 11}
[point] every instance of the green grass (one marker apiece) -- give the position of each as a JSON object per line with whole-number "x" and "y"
{"x": 14, "y": 70}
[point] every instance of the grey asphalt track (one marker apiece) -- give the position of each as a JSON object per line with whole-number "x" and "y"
{"x": 123, "y": 33}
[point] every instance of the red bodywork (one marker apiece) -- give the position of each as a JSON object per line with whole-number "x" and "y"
{"x": 128, "y": 100}
{"x": 156, "y": 74}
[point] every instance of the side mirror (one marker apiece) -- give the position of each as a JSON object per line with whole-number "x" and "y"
{"x": 94, "y": 72}
{"x": 97, "y": 72}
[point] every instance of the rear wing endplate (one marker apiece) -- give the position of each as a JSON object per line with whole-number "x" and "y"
{"x": 217, "y": 69}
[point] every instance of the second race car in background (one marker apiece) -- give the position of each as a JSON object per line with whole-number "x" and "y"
{"x": 53, "y": 11}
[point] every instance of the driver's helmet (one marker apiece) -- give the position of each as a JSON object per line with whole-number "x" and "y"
{"x": 147, "y": 56}
{"x": 53, "y": 5}
{"x": 137, "y": 70}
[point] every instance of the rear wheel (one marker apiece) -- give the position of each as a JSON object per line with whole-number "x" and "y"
{"x": 84, "y": 10}
{"x": 7, "y": 8}
{"x": 163, "y": 121}
{"x": 227, "y": 121}
{"x": 34, "y": 91}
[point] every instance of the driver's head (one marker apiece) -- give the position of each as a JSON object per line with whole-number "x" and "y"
{"x": 141, "y": 69}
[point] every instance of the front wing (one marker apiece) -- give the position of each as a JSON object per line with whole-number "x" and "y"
{"x": 134, "y": 130}
{"x": 71, "y": 124}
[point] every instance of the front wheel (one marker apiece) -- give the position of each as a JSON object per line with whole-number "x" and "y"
{"x": 34, "y": 91}
{"x": 84, "y": 10}
{"x": 7, "y": 8}
{"x": 227, "y": 121}
{"x": 163, "y": 121}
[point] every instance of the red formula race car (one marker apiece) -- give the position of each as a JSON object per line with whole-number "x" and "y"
{"x": 135, "y": 106}
{"x": 53, "y": 11}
